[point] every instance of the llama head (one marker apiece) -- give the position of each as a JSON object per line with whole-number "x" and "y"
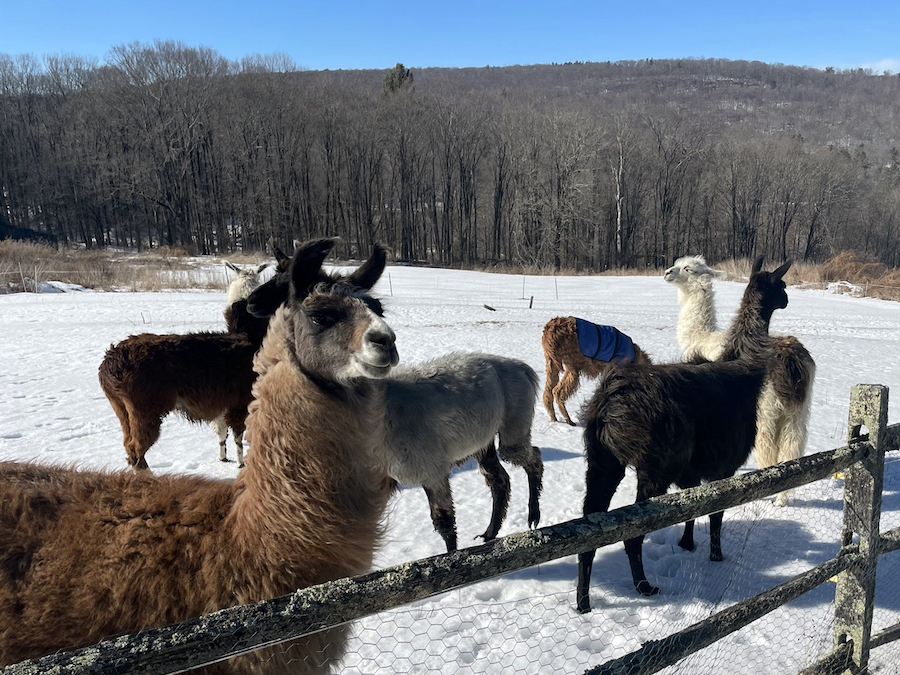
{"x": 769, "y": 287}
{"x": 246, "y": 280}
{"x": 337, "y": 332}
{"x": 246, "y": 272}
{"x": 268, "y": 297}
{"x": 691, "y": 271}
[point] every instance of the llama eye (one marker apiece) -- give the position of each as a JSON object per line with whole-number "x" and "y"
{"x": 322, "y": 319}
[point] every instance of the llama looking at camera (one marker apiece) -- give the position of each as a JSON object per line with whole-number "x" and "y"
{"x": 679, "y": 423}
{"x": 445, "y": 411}
{"x": 90, "y": 555}
{"x": 784, "y": 406}
{"x": 246, "y": 279}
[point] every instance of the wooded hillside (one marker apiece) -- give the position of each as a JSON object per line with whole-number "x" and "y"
{"x": 580, "y": 165}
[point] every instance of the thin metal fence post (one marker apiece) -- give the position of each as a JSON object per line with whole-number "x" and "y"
{"x": 855, "y": 590}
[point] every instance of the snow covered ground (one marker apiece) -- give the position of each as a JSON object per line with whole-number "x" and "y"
{"x": 52, "y": 410}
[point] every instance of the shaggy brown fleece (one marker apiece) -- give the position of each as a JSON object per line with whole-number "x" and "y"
{"x": 88, "y": 555}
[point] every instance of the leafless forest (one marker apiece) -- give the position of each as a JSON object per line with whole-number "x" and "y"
{"x": 583, "y": 166}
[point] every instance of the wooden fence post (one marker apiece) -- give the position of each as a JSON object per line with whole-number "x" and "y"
{"x": 855, "y": 591}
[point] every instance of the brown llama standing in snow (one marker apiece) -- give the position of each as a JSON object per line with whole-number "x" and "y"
{"x": 563, "y": 354}
{"x": 88, "y": 555}
{"x": 204, "y": 376}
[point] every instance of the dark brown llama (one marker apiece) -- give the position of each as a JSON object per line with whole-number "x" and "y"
{"x": 679, "y": 423}
{"x": 203, "y": 376}
{"x": 89, "y": 555}
{"x": 562, "y": 354}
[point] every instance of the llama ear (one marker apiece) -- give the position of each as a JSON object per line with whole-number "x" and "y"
{"x": 370, "y": 271}
{"x": 266, "y": 299}
{"x": 279, "y": 254}
{"x": 230, "y": 265}
{"x": 719, "y": 274}
{"x": 306, "y": 267}
{"x": 781, "y": 271}
{"x": 757, "y": 265}
{"x": 261, "y": 268}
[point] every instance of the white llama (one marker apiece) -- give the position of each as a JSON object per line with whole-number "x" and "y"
{"x": 784, "y": 404}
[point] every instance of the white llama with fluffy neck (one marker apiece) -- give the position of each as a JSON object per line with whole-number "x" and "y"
{"x": 783, "y": 408}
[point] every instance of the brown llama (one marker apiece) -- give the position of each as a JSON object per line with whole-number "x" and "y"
{"x": 89, "y": 555}
{"x": 203, "y": 376}
{"x": 563, "y": 354}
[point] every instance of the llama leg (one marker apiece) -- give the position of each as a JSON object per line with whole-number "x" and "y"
{"x": 604, "y": 473}
{"x": 792, "y": 440}
{"x": 688, "y": 480}
{"x": 144, "y": 433}
{"x": 236, "y": 419}
{"x": 529, "y": 458}
{"x": 566, "y": 387}
{"x": 535, "y": 471}
{"x": 552, "y": 377}
{"x": 634, "y": 546}
{"x": 715, "y": 536}
{"x": 440, "y": 500}
{"x": 768, "y": 413}
{"x": 239, "y": 448}
{"x": 498, "y": 481}
{"x": 222, "y": 432}
{"x": 769, "y": 417}
{"x": 125, "y": 422}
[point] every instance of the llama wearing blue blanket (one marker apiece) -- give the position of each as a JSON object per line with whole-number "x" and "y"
{"x": 574, "y": 347}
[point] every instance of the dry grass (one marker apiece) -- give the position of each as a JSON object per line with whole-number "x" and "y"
{"x": 22, "y": 263}
{"x": 174, "y": 268}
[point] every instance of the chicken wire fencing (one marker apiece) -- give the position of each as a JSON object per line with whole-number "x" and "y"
{"x": 493, "y": 620}
{"x": 763, "y": 546}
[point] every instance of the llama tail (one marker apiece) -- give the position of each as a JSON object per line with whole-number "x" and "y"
{"x": 792, "y": 370}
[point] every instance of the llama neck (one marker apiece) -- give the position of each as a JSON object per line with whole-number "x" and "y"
{"x": 748, "y": 337}
{"x": 311, "y": 496}
{"x": 697, "y": 317}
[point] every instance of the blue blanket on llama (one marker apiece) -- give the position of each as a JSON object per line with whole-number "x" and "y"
{"x": 604, "y": 343}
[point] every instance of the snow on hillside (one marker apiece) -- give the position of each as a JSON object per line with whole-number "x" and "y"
{"x": 53, "y": 411}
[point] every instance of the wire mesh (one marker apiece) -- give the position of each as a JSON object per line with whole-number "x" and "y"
{"x": 763, "y": 545}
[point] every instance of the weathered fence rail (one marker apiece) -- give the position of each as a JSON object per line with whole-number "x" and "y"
{"x": 237, "y": 630}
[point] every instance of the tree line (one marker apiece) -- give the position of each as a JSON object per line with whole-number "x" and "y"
{"x": 585, "y": 166}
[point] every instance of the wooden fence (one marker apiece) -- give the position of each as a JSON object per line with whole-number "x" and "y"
{"x": 173, "y": 649}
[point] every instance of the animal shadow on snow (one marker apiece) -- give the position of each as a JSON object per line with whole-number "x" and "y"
{"x": 547, "y": 455}
{"x": 759, "y": 554}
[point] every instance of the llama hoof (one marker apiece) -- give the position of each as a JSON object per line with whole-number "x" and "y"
{"x": 644, "y": 588}
{"x": 584, "y": 606}
{"x": 687, "y": 545}
{"x": 224, "y": 459}
{"x": 486, "y": 537}
{"x": 716, "y": 556}
{"x": 241, "y": 465}
{"x": 571, "y": 423}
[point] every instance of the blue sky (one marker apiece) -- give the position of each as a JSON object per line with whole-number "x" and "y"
{"x": 343, "y": 34}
